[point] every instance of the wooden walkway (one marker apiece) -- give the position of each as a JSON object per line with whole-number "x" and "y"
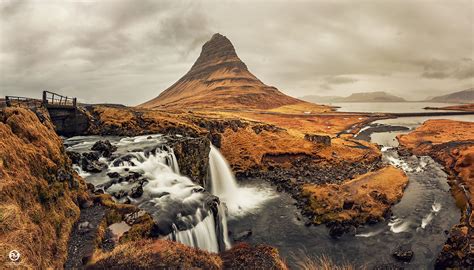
{"x": 49, "y": 100}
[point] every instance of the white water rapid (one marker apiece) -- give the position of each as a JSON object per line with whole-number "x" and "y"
{"x": 239, "y": 200}
{"x": 183, "y": 210}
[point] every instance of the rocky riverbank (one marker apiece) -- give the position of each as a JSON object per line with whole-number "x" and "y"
{"x": 451, "y": 143}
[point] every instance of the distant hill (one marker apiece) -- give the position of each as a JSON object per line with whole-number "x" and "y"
{"x": 465, "y": 96}
{"x": 220, "y": 80}
{"x": 356, "y": 97}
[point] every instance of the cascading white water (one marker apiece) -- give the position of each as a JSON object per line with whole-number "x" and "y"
{"x": 222, "y": 179}
{"x": 239, "y": 200}
{"x": 204, "y": 234}
{"x": 183, "y": 210}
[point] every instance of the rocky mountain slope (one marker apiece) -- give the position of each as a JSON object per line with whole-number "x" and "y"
{"x": 220, "y": 80}
{"x": 355, "y": 97}
{"x": 465, "y": 96}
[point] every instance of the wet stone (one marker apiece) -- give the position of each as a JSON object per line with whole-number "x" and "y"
{"x": 403, "y": 253}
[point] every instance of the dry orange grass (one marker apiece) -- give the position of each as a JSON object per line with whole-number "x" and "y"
{"x": 156, "y": 254}
{"x": 319, "y": 124}
{"x": 370, "y": 196}
{"x": 437, "y": 132}
{"x": 302, "y": 107}
{"x": 37, "y": 211}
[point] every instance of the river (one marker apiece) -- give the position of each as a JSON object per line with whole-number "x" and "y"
{"x": 419, "y": 222}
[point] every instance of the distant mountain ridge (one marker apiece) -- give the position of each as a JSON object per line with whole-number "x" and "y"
{"x": 464, "y": 96}
{"x": 379, "y": 96}
{"x": 220, "y": 80}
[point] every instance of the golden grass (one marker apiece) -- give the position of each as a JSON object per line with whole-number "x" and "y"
{"x": 37, "y": 211}
{"x": 322, "y": 262}
{"x": 438, "y": 131}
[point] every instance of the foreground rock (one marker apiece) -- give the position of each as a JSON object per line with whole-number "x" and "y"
{"x": 39, "y": 191}
{"x": 365, "y": 199}
{"x": 451, "y": 143}
{"x": 165, "y": 254}
{"x": 153, "y": 254}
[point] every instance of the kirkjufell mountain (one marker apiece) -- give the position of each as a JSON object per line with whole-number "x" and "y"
{"x": 219, "y": 79}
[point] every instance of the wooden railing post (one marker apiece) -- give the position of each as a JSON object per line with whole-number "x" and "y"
{"x": 74, "y": 102}
{"x": 45, "y": 100}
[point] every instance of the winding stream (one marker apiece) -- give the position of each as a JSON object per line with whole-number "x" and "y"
{"x": 420, "y": 220}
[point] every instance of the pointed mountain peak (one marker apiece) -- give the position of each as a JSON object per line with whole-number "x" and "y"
{"x": 217, "y": 50}
{"x": 219, "y": 79}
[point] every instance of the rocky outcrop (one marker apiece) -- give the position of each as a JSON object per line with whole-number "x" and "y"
{"x": 40, "y": 193}
{"x": 318, "y": 139}
{"x": 192, "y": 155}
{"x": 365, "y": 199}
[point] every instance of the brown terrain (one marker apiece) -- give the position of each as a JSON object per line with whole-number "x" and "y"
{"x": 452, "y": 144}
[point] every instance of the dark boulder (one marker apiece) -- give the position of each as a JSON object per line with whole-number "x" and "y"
{"x": 104, "y": 147}
{"x": 318, "y": 139}
{"x": 123, "y": 160}
{"x": 113, "y": 174}
{"x": 136, "y": 192}
{"x": 91, "y": 155}
{"x": 403, "y": 253}
{"x": 93, "y": 166}
{"x": 75, "y": 157}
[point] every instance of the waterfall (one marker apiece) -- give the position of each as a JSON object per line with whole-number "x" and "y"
{"x": 183, "y": 210}
{"x": 239, "y": 200}
{"x": 205, "y": 234}
{"x": 223, "y": 183}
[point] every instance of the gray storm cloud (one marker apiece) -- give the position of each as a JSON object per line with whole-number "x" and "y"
{"x": 129, "y": 51}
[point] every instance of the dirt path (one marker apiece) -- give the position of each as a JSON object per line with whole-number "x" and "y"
{"x": 82, "y": 240}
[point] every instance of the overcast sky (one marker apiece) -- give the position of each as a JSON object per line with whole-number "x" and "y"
{"x": 129, "y": 51}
